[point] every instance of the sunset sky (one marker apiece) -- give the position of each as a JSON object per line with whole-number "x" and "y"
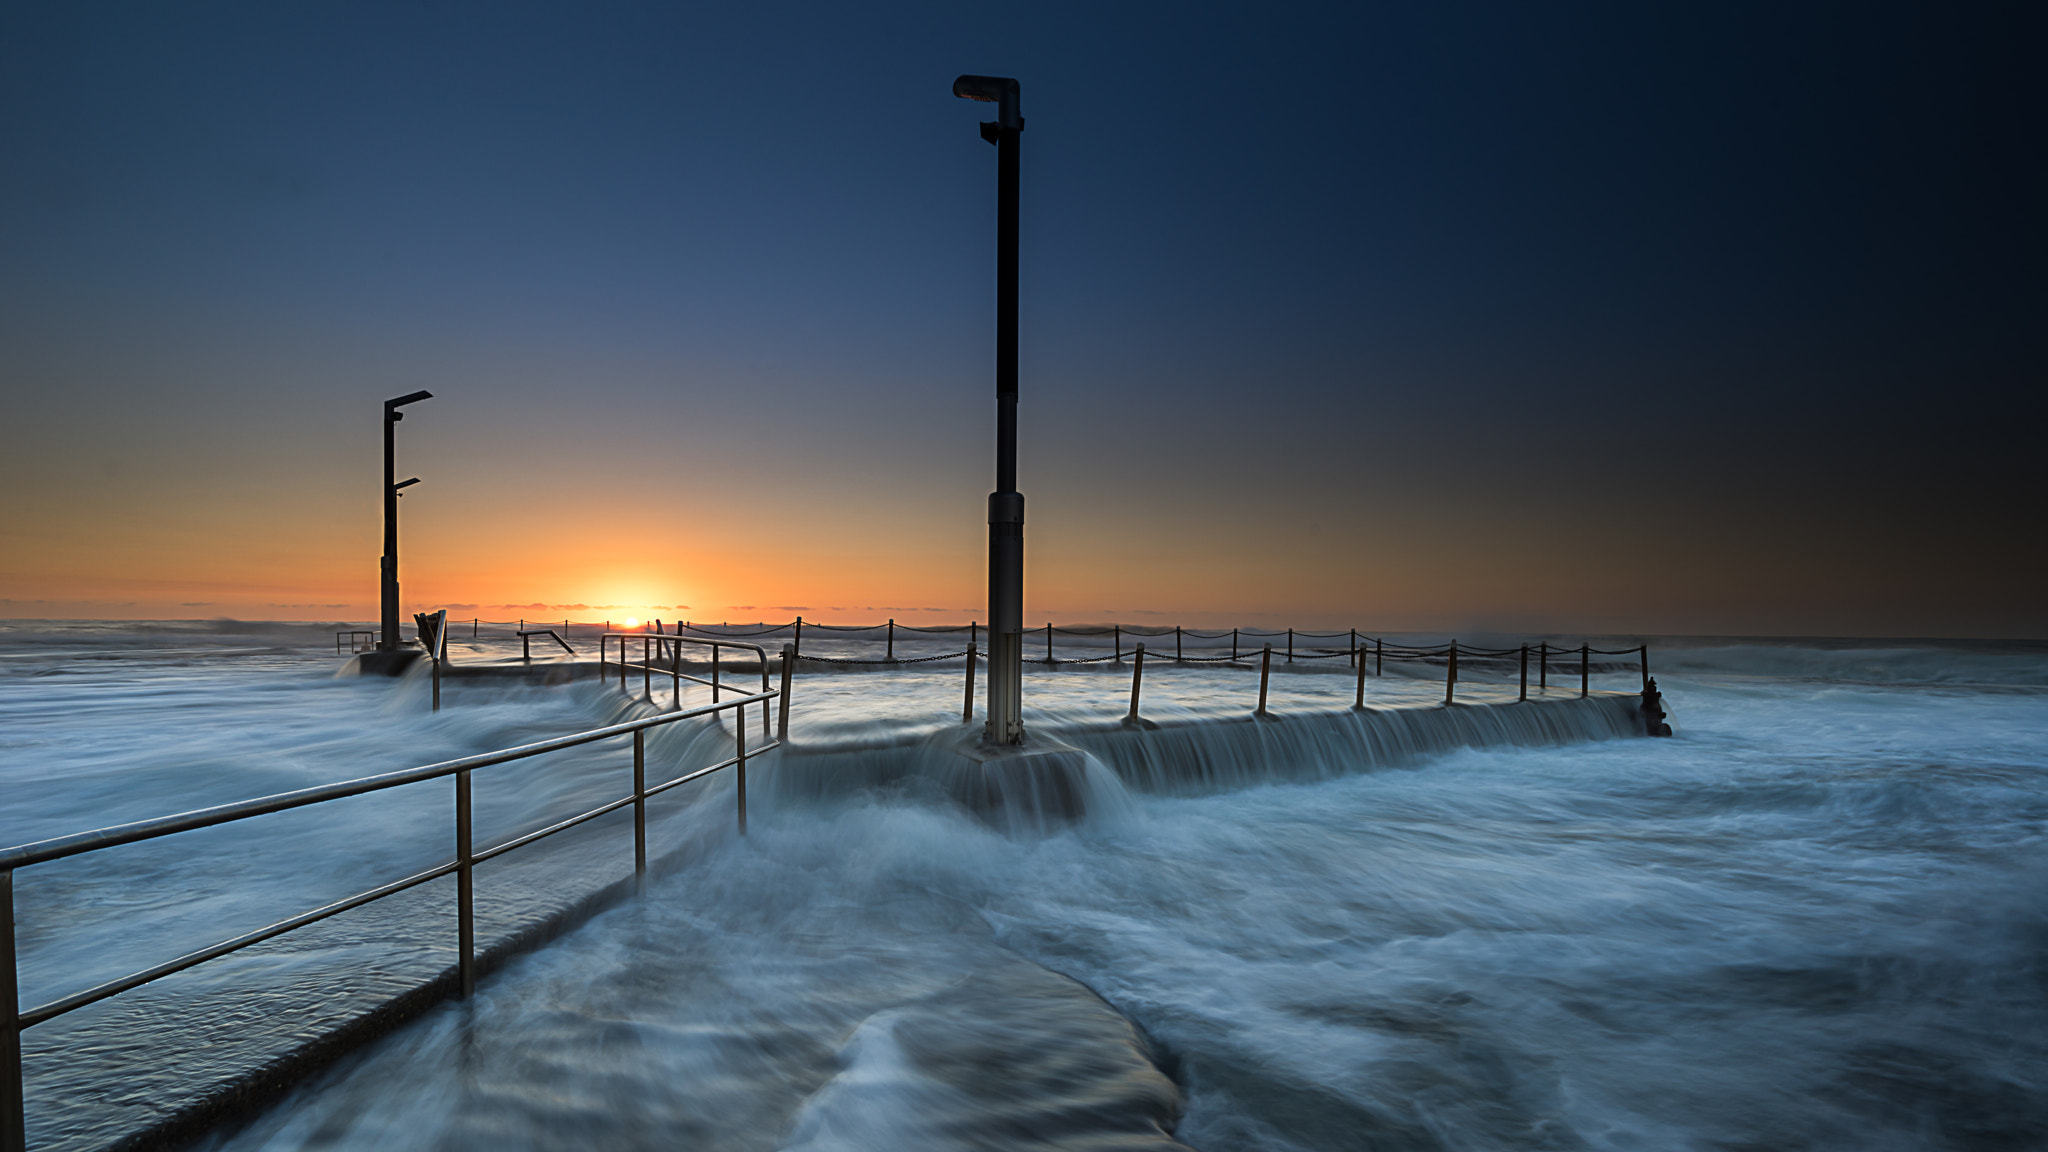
{"x": 1695, "y": 318}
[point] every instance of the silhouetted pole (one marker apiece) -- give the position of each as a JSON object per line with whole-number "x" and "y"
{"x": 387, "y": 640}
{"x": 1005, "y": 504}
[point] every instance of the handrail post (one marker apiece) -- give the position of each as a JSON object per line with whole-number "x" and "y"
{"x": 967, "y": 709}
{"x": 782, "y": 701}
{"x": 1233, "y": 645}
{"x": 647, "y": 666}
{"x": 1584, "y": 651}
{"x": 1358, "y": 658}
{"x": 1176, "y": 643}
{"x": 437, "y": 683}
{"x": 763, "y": 652}
{"x": 1451, "y": 674}
{"x": 1643, "y": 656}
{"x": 1048, "y": 643}
{"x": 640, "y": 809}
{"x": 715, "y": 650}
{"x": 1290, "y": 645}
{"x": 739, "y": 733}
{"x": 1265, "y": 673}
{"x": 1379, "y": 657}
{"x": 891, "y": 653}
{"x": 1525, "y": 674}
{"x": 1118, "y": 630}
{"x": 13, "y": 1105}
{"x": 1137, "y": 679}
{"x": 1353, "y": 658}
{"x": 526, "y": 648}
{"x": 1543, "y": 666}
{"x": 675, "y": 668}
{"x": 798, "y": 645}
{"x": 465, "y": 895}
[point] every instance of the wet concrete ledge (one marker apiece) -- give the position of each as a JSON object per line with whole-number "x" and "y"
{"x": 270, "y": 1081}
{"x": 1183, "y": 755}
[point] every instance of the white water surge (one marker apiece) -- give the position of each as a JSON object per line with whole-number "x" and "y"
{"x": 1811, "y": 920}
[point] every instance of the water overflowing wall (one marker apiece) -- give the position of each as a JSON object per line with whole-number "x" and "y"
{"x": 1088, "y": 769}
{"x": 1207, "y": 757}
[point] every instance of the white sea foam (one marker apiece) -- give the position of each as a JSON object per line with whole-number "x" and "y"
{"x": 1810, "y": 920}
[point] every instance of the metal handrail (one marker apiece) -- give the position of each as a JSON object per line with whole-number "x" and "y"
{"x": 43, "y": 851}
{"x": 13, "y": 1130}
{"x": 526, "y": 636}
{"x": 675, "y": 671}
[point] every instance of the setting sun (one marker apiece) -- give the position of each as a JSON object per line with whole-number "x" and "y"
{"x": 632, "y": 621}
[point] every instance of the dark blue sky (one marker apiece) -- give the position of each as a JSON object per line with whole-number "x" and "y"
{"x": 1679, "y": 317}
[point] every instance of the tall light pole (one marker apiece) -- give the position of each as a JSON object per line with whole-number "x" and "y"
{"x": 1005, "y": 504}
{"x": 387, "y": 640}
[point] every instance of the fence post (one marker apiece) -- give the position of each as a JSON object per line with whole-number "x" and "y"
{"x": 1353, "y": 658}
{"x": 891, "y": 653}
{"x": 1176, "y": 643}
{"x": 1379, "y": 659}
{"x": 1290, "y": 645}
{"x": 1265, "y": 673}
{"x": 972, "y": 631}
{"x": 1358, "y": 659}
{"x": 1048, "y": 642}
{"x": 647, "y": 666}
{"x": 640, "y": 809}
{"x": 1118, "y": 629}
{"x": 799, "y": 645}
{"x": 782, "y": 702}
{"x": 1451, "y": 674}
{"x": 472, "y": 627}
{"x": 526, "y": 648}
{"x": 1584, "y": 650}
{"x": 13, "y": 1115}
{"x": 715, "y": 650}
{"x": 465, "y": 898}
{"x": 1137, "y": 680}
{"x": 1233, "y": 645}
{"x": 739, "y": 735}
{"x": 1643, "y": 656}
{"x": 1525, "y": 674}
{"x": 1543, "y": 666}
{"x": 675, "y": 668}
{"x": 967, "y": 709}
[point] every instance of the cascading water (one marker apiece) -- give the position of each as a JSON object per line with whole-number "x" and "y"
{"x": 1809, "y": 921}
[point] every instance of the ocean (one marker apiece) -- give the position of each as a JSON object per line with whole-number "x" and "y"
{"x": 1813, "y": 919}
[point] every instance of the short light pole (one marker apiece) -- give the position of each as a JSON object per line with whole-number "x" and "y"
{"x": 387, "y": 640}
{"x": 1005, "y": 504}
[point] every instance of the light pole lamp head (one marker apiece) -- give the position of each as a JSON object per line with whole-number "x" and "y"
{"x": 998, "y": 90}
{"x": 391, "y": 407}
